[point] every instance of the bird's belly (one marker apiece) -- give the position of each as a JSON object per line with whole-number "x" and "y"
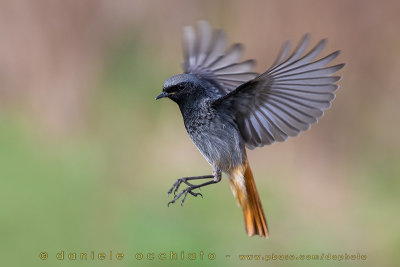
{"x": 221, "y": 147}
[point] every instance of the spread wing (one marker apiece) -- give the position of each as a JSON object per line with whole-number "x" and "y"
{"x": 287, "y": 98}
{"x": 205, "y": 56}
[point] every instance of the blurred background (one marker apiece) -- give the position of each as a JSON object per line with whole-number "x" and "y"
{"x": 87, "y": 156}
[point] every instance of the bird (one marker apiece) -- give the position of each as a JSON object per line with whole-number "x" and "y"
{"x": 228, "y": 108}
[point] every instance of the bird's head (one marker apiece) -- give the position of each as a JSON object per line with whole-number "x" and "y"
{"x": 179, "y": 87}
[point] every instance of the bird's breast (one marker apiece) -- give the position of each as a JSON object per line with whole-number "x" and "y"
{"x": 217, "y": 139}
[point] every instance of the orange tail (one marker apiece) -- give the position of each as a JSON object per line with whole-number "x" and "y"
{"x": 244, "y": 188}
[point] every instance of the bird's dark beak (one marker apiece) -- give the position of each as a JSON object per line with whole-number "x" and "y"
{"x": 163, "y": 94}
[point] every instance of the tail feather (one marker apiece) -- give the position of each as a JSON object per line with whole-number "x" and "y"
{"x": 244, "y": 188}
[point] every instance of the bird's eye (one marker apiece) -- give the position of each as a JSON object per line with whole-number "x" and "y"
{"x": 181, "y": 86}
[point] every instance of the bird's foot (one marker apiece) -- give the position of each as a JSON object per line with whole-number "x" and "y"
{"x": 183, "y": 193}
{"x": 189, "y": 190}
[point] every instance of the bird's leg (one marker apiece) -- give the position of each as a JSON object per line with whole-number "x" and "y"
{"x": 189, "y": 190}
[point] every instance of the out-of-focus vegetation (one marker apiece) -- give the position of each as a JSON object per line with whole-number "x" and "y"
{"x": 87, "y": 155}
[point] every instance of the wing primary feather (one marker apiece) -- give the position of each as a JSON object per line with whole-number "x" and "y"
{"x": 301, "y": 106}
{"x": 309, "y": 66}
{"x": 310, "y": 81}
{"x": 189, "y": 46}
{"x": 301, "y": 47}
{"x": 312, "y": 73}
{"x": 236, "y": 79}
{"x": 204, "y": 38}
{"x": 217, "y": 47}
{"x": 244, "y": 66}
{"x": 283, "y": 53}
{"x": 307, "y": 102}
{"x": 321, "y": 102}
{"x": 316, "y": 88}
{"x": 306, "y": 58}
{"x": 310, "y": 95}
{"x": 230, "y": 57}
{"x": 238, "y": 76}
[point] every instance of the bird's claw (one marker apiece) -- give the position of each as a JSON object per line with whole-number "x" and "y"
{"x": 175, "y": 186}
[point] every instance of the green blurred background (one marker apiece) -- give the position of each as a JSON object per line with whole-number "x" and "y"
{"x": 87, "y": 155}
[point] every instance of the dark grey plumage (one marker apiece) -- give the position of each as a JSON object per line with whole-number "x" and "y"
{"x": 218, "y": 89}
{"x": 215, "y": 134}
